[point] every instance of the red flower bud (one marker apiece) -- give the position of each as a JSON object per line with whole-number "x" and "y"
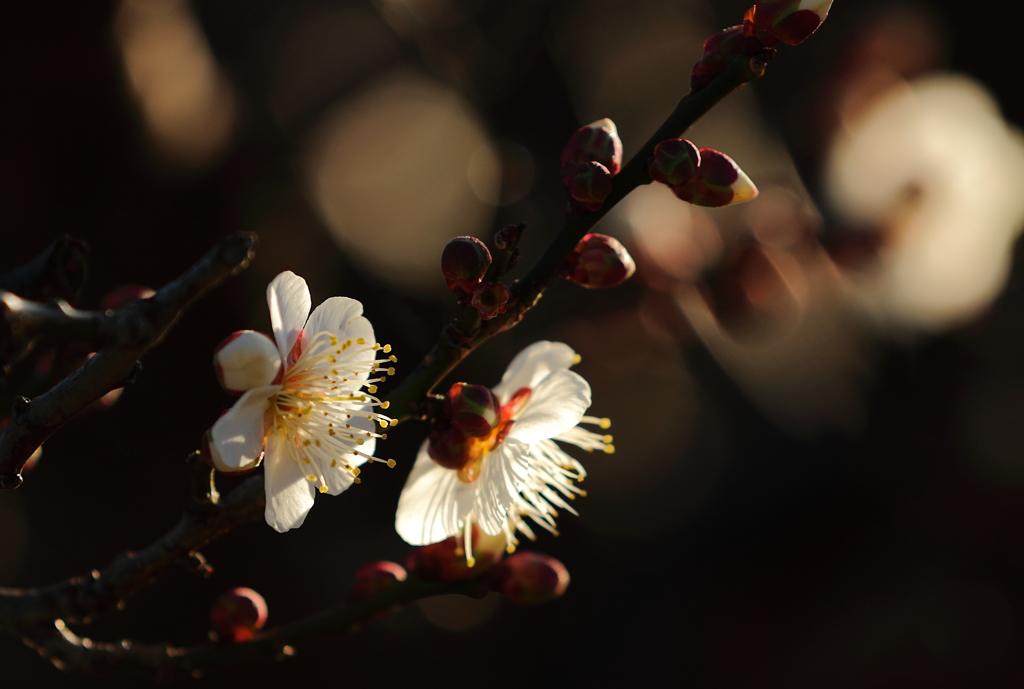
{"x": 374, "y": 578}
{"x": 598, "y": 261}
{"x": 598, "y": 142}
{"x": 675, "y": 161}
{"x": 489, "y": 299}
{"x": 447, "y": 560}
{"x": 450, "y": 448}
{"x": 119, "y": 296}
{"x": 508, "y": 236}
{"x": 719, "y": 182}
{"x": 529, "y": 578}
{"x": 720, "y": 50}
{"x": 475, "y": 410}
{"x": 589, "y": 185}
{"x": 246, "y": 359}
{"x": 238, "y": 615}
{"x": 788, "y": 21}
{"x": 464, "y": 262}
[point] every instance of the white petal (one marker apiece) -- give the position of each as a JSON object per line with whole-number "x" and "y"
{"x": 238, "y": 435}
{"x": 359, "y": 422}
{"x": 503, "y": 475}
{"x": 288, "y": 299}
{"x": 338, "y": 478}
{"x": 433, "y": 503}
{"x": 289, "y": 493}
{"x": 532, "y": 365}
{"x": 555, "y": 406}
{"x": 334, "y": 315}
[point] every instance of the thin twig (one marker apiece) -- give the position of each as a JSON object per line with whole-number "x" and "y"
{"x": 137, "y": 326}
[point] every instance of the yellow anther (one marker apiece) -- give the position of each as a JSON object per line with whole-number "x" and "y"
{"x": 323, "y": 489}
{"x": 393, "y": 359}
{"x": 357, "y": 480}
{"x": 583, "y": 493}
{"x": 334, "y": 463}
{"x": 370, "y": 417}
{"x": 330, "y": 431}
{"x": 334, "y": 371}
{"x": 371, "y": 389}
{"x": 387, "y": 348}
{"x": 307, "y": 460}
{"x": 332, "y": 359}
{"x": 605, "y": 423}
{"x": 307, "y": 442}
{"x": 361, "y": 341}
{"x": 391, "y": 370}
{"x": 312, "y": 478}
{"x": 510, "y": 549}
{"x": 376, "y": 346}
{"x": 383, "y": 423}
{"x": 384, "y": 436}
{"x": 391, "y": 463}
{"x": 317, "y": 442}
{"x": 359, "y": 441}
{"x": 394, "y": 422}
{"x": 576, "y": 359}
{"x": 385, "y": 404}
{"x": 355, "y": 471}
{"x": 606, "y": 439}
{"x": 609, "y": 449}
{"x": 470, "y": 562}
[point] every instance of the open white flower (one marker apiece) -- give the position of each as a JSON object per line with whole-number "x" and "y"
{"x": 317, "y": 426}
{"x": 517, "y": 470}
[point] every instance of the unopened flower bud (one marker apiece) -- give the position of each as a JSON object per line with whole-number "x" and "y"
{"x": 598, "y": 261}
{"x": 788, "y": 21}
{"x": 489, "y": 299}
{"x": 530, "y": 578}
{"x": 464, "y": 262}
{"x": 238, "y": 615}
{"x": 675, "y": 161}
{"x": 448, "y": 559}
{"x": 589, "y": 185}
{"x": 475, "y": 409}
{"x": 718, "y": 182}
{"x": 374, "y": 578}
{"x": 119, "y": 296}
{"x": 598, "y": 142}
{"x": 449, "y": 447}
{"x": 719, "y": 51}
{"x": 245, "y": 360}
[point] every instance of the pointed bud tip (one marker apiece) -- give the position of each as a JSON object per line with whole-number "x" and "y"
{"x": 599, "y": 261}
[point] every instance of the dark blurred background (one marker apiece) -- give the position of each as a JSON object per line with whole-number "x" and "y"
{"x": 820, "y": 470}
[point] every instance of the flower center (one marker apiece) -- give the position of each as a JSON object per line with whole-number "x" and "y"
{"x": 478, "y": 448}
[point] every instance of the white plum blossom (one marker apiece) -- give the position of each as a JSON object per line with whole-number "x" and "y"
{"x": 316, "y": 427}
{"x": 517, "y": 470}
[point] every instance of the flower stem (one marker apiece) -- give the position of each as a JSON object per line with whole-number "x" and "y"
{"x": 454, "y": 344}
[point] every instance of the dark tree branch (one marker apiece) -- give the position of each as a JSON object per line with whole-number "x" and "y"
{"x": 56, "y": 273}
{"x": 456, "y": 342}
{"x": 134, "y": 328}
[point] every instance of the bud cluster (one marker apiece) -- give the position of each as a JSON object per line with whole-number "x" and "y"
{"x": 765, "y": 25}
{"x": 703, "y": 177}
{"x": 590, "y": 159}
{"x": 464, "y": 263}
{"x": 467, "y": 413}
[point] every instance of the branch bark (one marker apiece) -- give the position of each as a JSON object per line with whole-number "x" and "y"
{"x": 134, "y": 329}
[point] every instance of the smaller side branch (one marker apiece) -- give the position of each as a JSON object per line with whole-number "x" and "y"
{"x": 134, "y": 329}
{"x": 70, "y": 652}
{"x": 30, "y": 613}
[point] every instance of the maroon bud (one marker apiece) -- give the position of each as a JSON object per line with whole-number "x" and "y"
{"x": 598, "y": 142}
{"x": 119, "y": 296}
{"x": 238, "y": 615}
{"x": 464, "y": 262}
{"x": 447, "y": 560}
{"x": 589, "y": 185}
{"x": 475, "y": 410}
{"x": 598, "y": 261}
{"x": 450, "y": 448}
{"x": 675, "y": 161}
{"x": 489, "y": 299}
{"x": 529, "y": 578}
{"x": 719, "y": 182}
{"x": 374, "y": 578}
{"x": 720, "y": 50}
